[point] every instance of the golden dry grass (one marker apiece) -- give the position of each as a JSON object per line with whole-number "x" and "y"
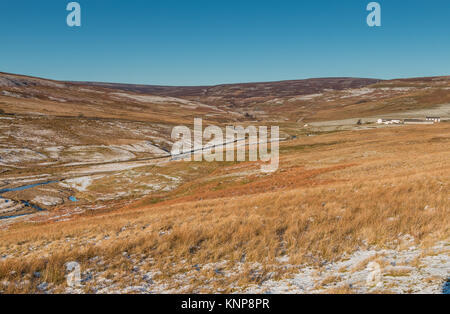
{"x": 333, "y": 194}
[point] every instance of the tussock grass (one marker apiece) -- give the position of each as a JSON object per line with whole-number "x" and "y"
{"x": 371, "y": 189}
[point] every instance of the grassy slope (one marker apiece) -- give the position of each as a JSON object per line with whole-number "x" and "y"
{"x": 334, "y": 193}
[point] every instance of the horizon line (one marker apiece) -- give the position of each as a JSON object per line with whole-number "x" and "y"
{"x": 219, "y": 84}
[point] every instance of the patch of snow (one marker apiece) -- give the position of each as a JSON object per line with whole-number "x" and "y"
{"x": 306, "y": 97}
{"x": 81, "y": 184}
{"x": 358, "y": 92}
{"x": 48, "y": 200}
{"x": 18, "y": 155}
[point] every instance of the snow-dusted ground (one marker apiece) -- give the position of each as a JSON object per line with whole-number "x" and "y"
{"x": 48, "y": 200}
{"x": 165, "y": 100}
{"x": 306, "y": 97}
{"x": 80, "y": 155}
{"x": 143, "y": 147}
{"x": 9, "y": 206}
{"x": 391, "y": 271}
{"x": 442, "y": 111}
{"x": 80, "y": 184}
{"x": 116, "y": 167}
{"x": 412, "y": 270}
{"x": 18, "y": 155}
{"x": 358, "y": 92}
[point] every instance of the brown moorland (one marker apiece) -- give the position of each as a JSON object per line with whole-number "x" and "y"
{"x": 346, "y": 194}
{"x": 333, "y": 195}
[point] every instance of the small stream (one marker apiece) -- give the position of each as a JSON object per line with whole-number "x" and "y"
{"x": 26, "y": 203}
{"x": 26, "y": 187}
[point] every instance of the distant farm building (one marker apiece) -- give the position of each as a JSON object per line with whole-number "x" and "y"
{"x": 417, "y": 121}
{"x": 434, "y": 119}
{"x": 428, "y": 121}
{"x": 389, "y": 121}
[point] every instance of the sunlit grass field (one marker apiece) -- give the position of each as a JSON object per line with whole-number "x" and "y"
{"x": 333, "y": 194}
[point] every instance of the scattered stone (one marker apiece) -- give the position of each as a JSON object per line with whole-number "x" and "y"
{"x": 43, "y": 286}
{"x": 74, "y": 276}
{"x": 148, "y": 277}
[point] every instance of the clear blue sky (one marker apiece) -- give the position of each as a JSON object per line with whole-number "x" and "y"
{"x": 193, "y": 42}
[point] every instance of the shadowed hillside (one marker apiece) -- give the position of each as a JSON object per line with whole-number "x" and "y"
{"x": 246, "y": 90}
